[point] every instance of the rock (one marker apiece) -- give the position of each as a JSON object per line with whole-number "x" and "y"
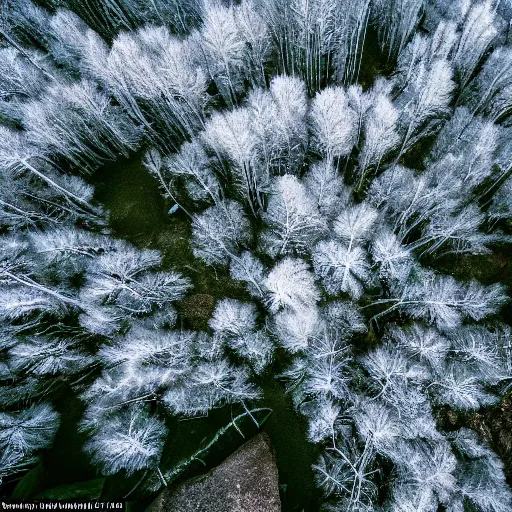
{"x": 495, "y": 426}
{"x": 247, "y": 481}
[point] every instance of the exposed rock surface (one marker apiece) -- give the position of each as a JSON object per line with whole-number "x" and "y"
{"x": 495, "y": 425}
{"x": 247, "y": 481}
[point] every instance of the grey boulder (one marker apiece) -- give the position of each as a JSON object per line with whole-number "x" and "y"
{"x": 247, "y": 481}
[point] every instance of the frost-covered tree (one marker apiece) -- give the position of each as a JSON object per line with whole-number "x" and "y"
{"x": 219, "y": 231}
{"x": 229, "y": 135}
{"x": 381, "y": 137}
{"x": 293, "y": 219}
{"x": 333, "y": 123}
{"x": 354, "y": 224}
{"x": 290, "y": 285}
{"x": 294, "y": 329}
{"x": 152, "y": 76}
{"x": 21, "y": 160}
{"x": 120, "y": 277}
{"x": 425, "y": 98}
{"x": 131, "y": 440}
{"x": 192, "y": 164}
{"x": 492, "y": 85}
{"x": 393, "y": 260}
{"x": 478, "y": 32}
{"x": 233, "y": 318}
{"x": 278, "y": 123}
{"x": 485, "y": 488}
{"x": 43, "y": 356}
{"x": 442, "y": 301}
{"x": 501, "y": 206}
{"x": 427, "y": 345}
{"x": 249, "y": 269}
{"x": 396, "y": 21}
{"x": 79, "y": 123}
{"x": 212, "y": 384}
{"x": 327, "y": 188}
{"x": 23, "y": 433}
{"x": 342, "y": 268}
{"x": 234, "y": 46}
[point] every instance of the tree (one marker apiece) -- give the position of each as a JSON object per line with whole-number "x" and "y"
{"x": 18, "y": 156}
{"x": 290, "y": 285}
{"x": 468, "y": 144}
{"x": 345, "y": 317}
{"x": 146, "y": 360}
{"x": 255, "y": 33}
{"x": 501, "y": 206}
{"x": 460, "y": 233}
{"x": 232, "y": 318}
{"x": 426, "y": 98}
{"x": 219, "y": 231}
{"x": 481, "y": 475}
{"x": 389, "y": 369}
{"x": 441, "y": 301}
{"x": 69, "y": 247}
{"x": 78, "y": 122}
{"x": 492, "y": 85}
{"x": 20, "y": 80}
{"x": 333, "y": 123}
{"x": 249, "y": 269}
{"x": 44, "y": 356}
{"x": 193, "y": 165}
{"x": 229, "y": 136}
{"x": 294, "y": 329}
{"x": 321, "y": 376}
{"x": 234, "y": 42}
{"x": 153, "y": 77}
{"x": 131, "y": 440}
{"x": 353, "y": 224}
{"x": 397, "y": 21}
{"x": 254, "y": 346}
{"x": 68, "y": 37}
{"x": 406, "y": 498}
{"x": 293, "y": 221}
{"x": 345, "y": 471}
{"x": 477, "y": 34}
{"x": 285, "y": 130}
{"x": 323, "y": 419}
{"x": 378, "y": 425}
{"x": 18, "y": 208}
{"x": 22, "y": 293}
{"x": 428, "y": 469}
{"x": 327, "y": 189}
{"x": 212, "y": 384}
{"x": 121, "y": 277}
{"x": 381, "y": 136}
{"x": 326, "y": 370}
{"x": 138, "y": 367}
{"x": 342, "y": 268}
{"x": 461, "y": 389}
{"x": 479, "y": 350}
{"x": 438, "y": 45}
{"x": 349, "y": 50}
{"x": 426, "y": 345}
{"x": 394, "y": 261}
{"x": 23, "y": 433}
